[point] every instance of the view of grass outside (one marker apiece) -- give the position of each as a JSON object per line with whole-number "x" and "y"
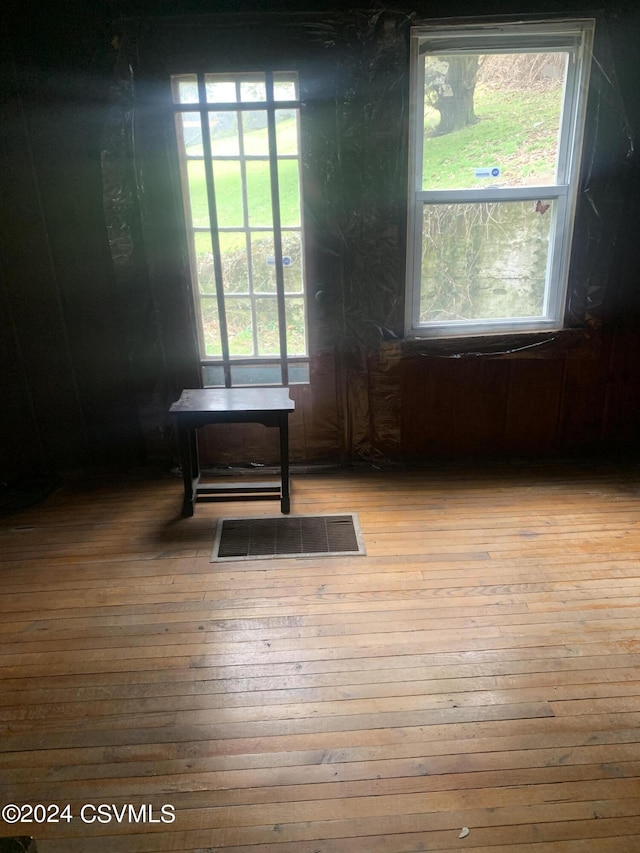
{"x": 229, "y": 183}
{"x": 516, "y": 131}
{"x": 487, "y": 261}
{"x": 518, "y": 105}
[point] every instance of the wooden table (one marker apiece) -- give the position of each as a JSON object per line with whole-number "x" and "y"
{"x": 198, "y": 407}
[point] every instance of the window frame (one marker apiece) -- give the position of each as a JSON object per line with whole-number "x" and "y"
{"x": 574, "y": 35}
{"x": 225, "y": 364}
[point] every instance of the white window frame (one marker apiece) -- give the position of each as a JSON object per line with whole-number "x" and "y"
{"x": 574, "y": 36}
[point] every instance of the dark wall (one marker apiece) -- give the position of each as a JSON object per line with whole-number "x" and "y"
{"x": 65, "y": 369}
{"x": 89, "y": 359}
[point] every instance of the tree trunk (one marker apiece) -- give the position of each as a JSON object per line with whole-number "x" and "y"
{"x": 455, "y": 100}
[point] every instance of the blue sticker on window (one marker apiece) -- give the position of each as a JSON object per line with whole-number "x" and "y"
{"x": 487, "y": 172}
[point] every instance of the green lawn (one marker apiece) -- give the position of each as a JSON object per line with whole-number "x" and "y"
{"x": 228, "y": 183}
{"x": 516, "y": 131}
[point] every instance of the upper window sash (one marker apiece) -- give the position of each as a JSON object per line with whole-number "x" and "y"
{"x": 573, "y": 37}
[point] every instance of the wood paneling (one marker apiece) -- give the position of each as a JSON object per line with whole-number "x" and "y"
{"x": 453, "y": 407}
{"x": 478, "y": 668}
{"x": 534, "y": 397}
{"x": 532, "y": 408}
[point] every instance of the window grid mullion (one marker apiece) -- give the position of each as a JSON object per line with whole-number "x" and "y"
{"x": 277, "y": 235}
{"x": 213, "y": 222}
{"x": 246, "y": 225}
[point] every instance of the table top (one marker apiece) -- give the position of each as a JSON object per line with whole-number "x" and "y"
{"x": 229, "y": 400}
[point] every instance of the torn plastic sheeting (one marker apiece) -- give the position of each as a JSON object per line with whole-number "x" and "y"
{"x": 371, "y": 390}
{"x": 361, "y": 159}
{"x": 607, "y": 158}
{"x": 360, "y": 220}
{"x": 120, "y": 191}
{"x": 135, "y": 300}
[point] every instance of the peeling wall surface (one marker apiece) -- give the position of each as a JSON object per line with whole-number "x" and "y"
{"x": 99, "y": 327}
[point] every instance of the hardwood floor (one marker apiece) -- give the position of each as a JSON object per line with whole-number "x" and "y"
{"x": 478, "y": 669}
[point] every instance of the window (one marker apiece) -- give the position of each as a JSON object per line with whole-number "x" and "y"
{"x": 239, "y": 153}
{"x": 496, "y": 134}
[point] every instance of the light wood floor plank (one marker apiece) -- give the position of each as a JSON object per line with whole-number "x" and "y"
{"x": 478, "y": 668}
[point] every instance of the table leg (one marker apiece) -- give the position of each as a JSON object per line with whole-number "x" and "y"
{"x": 189, "y": 462}
{"x": 285, "y": 503}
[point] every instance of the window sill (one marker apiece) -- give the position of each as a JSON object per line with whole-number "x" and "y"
{"x": 581, "y": 342}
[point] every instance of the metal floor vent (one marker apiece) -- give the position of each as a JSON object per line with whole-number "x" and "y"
{"x": 287, "y": 536}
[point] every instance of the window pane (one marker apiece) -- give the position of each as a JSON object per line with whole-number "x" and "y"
{"x": 197, "y": 194}
{"x": 292, "y": 261}
{"x": 228, "y": 183}
{"x": 263, "y": 262}
{"x": 255, "y": 133}
{"x": 204, "y": 262}
{"x": 266, "y": 373}
{"x": 296, "y": 333}
{"x": 298, "y": 373}
{"x": 212, "y": 376}
{"x": 252, "y": 88}
{"x": 267, "y": 320}
{"x": 233, "y": 251}
{"x": 190, "y": 133}
{"x": 239, "y": 326}
{"x": 223, "y": 127}
{"x": 492, "y": 119}
{"x": 484, "y": 261}
{"x": 269, "y": 373}
{"x": 220, "y": 89}
{"x": 184, "y": 88}
{"x": 287, "y": 131}
{"x": 285, "y": 87}
{"x": 259, "y": 193}
{"x": 288, "y": 185}
{"x": 210, "y": 326}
